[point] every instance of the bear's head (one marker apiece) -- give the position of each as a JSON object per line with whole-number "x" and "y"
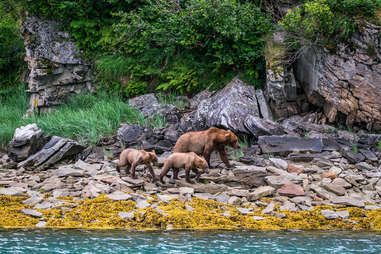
{"x": 231, "y": 139}
{"x": 153, "y": 156}
{"x": 201, "y": 164}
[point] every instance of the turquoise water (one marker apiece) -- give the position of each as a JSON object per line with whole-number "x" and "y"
{"x": 73, "y": 241}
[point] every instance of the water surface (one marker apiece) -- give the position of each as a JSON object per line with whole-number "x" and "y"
{"x": 118, "y": 241}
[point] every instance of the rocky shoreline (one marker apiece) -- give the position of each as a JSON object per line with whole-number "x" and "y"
{"x": 289, "y": 174}
{"x": 279, "y": 195}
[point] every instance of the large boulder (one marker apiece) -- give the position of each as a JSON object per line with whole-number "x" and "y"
{"x": 228, "y": 108}
{"x": 56, "y": 67}
{"x": 345, "y": 84}
{"x": 26, "y": 141}
{"x": 55, "y": 150}
{"x": 150, "y": 107}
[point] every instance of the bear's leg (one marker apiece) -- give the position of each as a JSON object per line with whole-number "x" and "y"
{"x": 121, "y": 163}
{"x": 164, "y": 172}
{"x": 154, "y": 178}
{"x": 133, "y": 166}
{"x": 207, "y": 152}
{"x": 198, "y": 173}
{"x": 187, "y": 175}
{"x": 176, "y": 174}
{"x": 224, "y": 156}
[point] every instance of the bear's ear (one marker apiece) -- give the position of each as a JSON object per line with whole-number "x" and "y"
{"x": 153, "y": 151}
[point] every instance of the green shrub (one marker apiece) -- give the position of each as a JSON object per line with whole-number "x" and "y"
{"x": 187, "y": 45}
{"x": 326, "y": 22}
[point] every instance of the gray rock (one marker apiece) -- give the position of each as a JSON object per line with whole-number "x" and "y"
{"x": 130, "y": 134}
{"x": 118, "y": 195}
{"x": 364, "y": 166}
{"x": 56, "y": 149}
{"x": 352, "y": 157}
{"x": 223, "y": 198}
{"x": 135, "y": 182}
{"x": 226, "y": 214}
{"x": 329, "y": 215}
{"x": 369, "y": 155}
{"x": 337, "y": 189}
{"x": 91, "y": 169}
{"x": 277, "y": 181}
{"x": 279, "y": 163}
{"x": 150, "y": 107}
{"x": 239, "y": 193}
{"x": 142, "y": 204}
{"x": 347, "y": 201}
{"x": 372, "y": 207}
{"x": 234, "y": 200}
{"x": 343, "y": 214}
{"x": 93, "y": 189}
{"x": 65, "y": 171}
{"x": 260, "y": 192}
{"x": 269, "y": 208}
{"x": 288, "y": 206}
{"x": 26, "y": 141}
{"x": 261, "y": 127}
{"x": 41, "y": 224}
{"x": 44, "y": 205}
{"x": 166, "y": 198}
{"x": 341, "y": 182}
{"x": 188, "y": 207}
{"x": 126, "y": 216}
{"x": 258, "y": 217}
{"x": 228, "y": 107}
{"x": 56, "y": 69}
{"x": 13, "y": 191}
{"x": 33, "y": 200}
{"x": 210, "y": 188}
{"x": 32, "y": 213}
{"x": 287, "y": 144}
{"x": 205, "y": 196}
{"x": 245, "y": 210}
{"x": 186, "y": 190}
{"x": 263, "y": 105}
{"x": 335, "y": 170}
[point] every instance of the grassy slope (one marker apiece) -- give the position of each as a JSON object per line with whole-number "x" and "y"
{"x": 84, "y": 118}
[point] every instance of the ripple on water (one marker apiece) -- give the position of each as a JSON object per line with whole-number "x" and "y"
{"x": 242, "y": 242}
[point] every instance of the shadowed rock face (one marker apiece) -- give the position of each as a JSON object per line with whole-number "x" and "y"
{"x": 56, "y": 68}
{"x": 347, "y": 82}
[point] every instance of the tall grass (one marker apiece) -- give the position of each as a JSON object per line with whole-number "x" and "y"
{"x": 85, "y": 117}
{"x": 13, "y": 105}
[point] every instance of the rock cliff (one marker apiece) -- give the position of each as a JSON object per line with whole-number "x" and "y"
{"x": 56, "y": 67}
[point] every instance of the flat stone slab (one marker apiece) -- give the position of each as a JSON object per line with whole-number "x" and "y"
{"x": 260, "y": 192}
{"x": 287, "y": 144}
{"x": 33, "y": 200}
{"x": 13, "y": 191}
{"x": 118, "y": 195}
{"x": 291, "y": 190}
{"x": 126, "y": 216}
{"x": 68, "y": 171}
{"x": 32, "y": 213}
{"x": 245, "y": 210}
{"x": 347, "y": 201}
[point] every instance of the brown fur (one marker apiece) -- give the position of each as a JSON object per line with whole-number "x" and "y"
{"x": 205, "y": 142}
{"x": 132, "y": 158}
{"x": 188, "y": 161}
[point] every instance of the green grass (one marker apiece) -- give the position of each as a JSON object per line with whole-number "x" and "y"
{"x": 171, "y": 98}
{"x": 84, "y": 118}
{"x": 379, "y": 145}
{"x": 157, "y": 121}
{"x": 355, "y": 148}
{"x": 13, "y": 105}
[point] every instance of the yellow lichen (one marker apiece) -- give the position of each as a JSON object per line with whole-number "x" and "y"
{"x": 102, "y": 213}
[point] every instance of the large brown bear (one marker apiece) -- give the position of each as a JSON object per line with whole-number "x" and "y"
{"x": 205, "y": 142}
{"x": 188, "y": 161}
{"x": 132, "y": 158}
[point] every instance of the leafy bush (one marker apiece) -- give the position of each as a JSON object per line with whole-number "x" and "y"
{"x": 326, "y": 22}
{"x": 186, "y": 45}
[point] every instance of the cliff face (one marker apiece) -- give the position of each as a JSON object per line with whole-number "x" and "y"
{"x": 56, "y": 67}
{"x": 347, "y": 83}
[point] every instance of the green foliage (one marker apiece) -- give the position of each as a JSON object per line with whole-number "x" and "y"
{"x": 85, "y": 117}
{"x": 326, "y": 22}
{"x": 355, "y": 148}
{"x": 186, "y": 45}
{"x": 379, "y": 145}
{"x": 11, "y": 49}
{"x": 157, "y": 121}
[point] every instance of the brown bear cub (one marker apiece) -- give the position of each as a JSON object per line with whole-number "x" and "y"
{"x": 188, "y": 161}
{"x": 132, "y": 158}
{"x": 205, "y": 142}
